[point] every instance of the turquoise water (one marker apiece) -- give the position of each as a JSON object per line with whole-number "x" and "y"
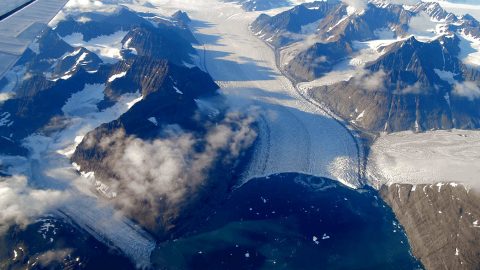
{"x": 292, "y": 221}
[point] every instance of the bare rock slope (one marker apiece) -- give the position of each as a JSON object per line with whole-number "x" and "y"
{"x": 441, "y": 222}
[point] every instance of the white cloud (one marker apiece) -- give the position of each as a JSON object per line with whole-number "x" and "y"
{"x": 415, "y": 89}
{"x": 356, "y": 5}
{"x": 468, "y": 89}
{"x": 20, "y": 203}
{"x": 72, "y": 4}
{"x": 371, "y": 81}
{"x": 46, "y": 258}
{"x": 156, "y": 177}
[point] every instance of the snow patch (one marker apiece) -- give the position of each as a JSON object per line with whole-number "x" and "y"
{"x": 177, "y": 90}
{"x": 108, "y": 48}
{"x": 469, "y": 50}
{"x": 116, "y": 76}
{"x": 153, "y": 120}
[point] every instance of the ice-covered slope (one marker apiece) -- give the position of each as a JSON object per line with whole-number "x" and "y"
{"x": 425, "y": 158}
{"x": 295, "y": 135}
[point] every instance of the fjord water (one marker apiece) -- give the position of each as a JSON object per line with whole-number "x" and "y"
{"x": 293, "y": 221}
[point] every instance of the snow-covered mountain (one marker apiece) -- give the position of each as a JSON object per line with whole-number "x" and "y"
{"x": 123, "y": 77}
{"x": 385, "y": 67}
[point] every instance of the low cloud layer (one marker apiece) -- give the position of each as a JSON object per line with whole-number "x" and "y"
{"x": 20, "y": 203}
{"x": 370, "y": 81}
{"x": 468, "y": 89}
{"x": 53, "y": 256}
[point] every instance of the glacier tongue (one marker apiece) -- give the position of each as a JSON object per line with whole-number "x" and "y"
{"x": 296, "y": 135}
{"x": 113, "y": 229}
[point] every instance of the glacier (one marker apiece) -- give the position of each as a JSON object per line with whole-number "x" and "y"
{"x": 296, "y": 134}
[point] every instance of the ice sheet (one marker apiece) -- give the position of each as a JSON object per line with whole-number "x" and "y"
{"x": 426, "y": 158}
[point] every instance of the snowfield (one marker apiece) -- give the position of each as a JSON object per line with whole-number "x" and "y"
{"x": 106, "y": 47}
{"x": 426, "y": 158}
{"x": 295, "y": 135}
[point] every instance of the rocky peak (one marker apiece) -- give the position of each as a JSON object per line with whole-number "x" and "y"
{"x": 470, "y": 26}
{"x": 435, "y": 11}
{"x": 159, "y": 43}
{"x": 278, "y": 28}
{"x": 70, "y": 63}
{"x": 51, "y": 45}
{"x": 181, "y": 17}
{"x": 411, "y": 61}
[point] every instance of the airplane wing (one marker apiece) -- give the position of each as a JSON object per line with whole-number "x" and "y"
{"x": 20, "y": 22}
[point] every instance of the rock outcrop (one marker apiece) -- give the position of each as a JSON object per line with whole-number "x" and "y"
{"x": 442, "y": 222}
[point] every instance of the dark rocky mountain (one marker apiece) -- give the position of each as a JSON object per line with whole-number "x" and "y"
{"x": 414, "y": 93}
{"x": 165, "y": 43}
{"x": 156, "y": 65}
{"x": 469, "y": 25}
{"x": 452, "y": 210}
{"x": 286, "y": 27}
{"x": 79, "y": 58}
{"x": 57, "y": 70}
{"x": 181, "y": 17}
{"x": 412, "y": 85}
{"x": 55, "y": 58}
{"x": 333, "y": 30}
{"x": 331, "y": 21}
{"x": 34, "y": 110}
{"x": 364, "y": 26}
{"x": 435, "y": 11}
{"x": 327, "y": 55}
{"x": 169, "y": 93}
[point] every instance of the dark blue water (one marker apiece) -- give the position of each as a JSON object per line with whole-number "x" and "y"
{"x": 291, "y": 221}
